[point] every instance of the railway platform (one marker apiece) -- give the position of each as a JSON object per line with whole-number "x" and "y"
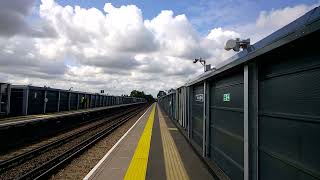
{"x": 153, "y": 148}
{"x": 31, "y": 119}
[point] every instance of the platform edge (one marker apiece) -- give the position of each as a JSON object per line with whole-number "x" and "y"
{"x": 96, "y": 167}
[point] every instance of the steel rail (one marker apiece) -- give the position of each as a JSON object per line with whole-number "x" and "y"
{"x": 14, "y": 161}
{"x": 45, "y": 170}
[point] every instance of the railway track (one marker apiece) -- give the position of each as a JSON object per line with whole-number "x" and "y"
{"x": 9, "y": 159}
{"x": 9, "y": 146}
{"x": 40, "y": 162}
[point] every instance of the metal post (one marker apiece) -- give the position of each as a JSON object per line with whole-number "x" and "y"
{"x": 246, "y": 124}
{"x": 58, "y": 108}
{"x": 1, "y": 96}
{"x": 45, "y": 102}
{"x": 207, "y": 115}
{"x": 187, "y": 109}
{"x": 91, "y": 99}
{"x": 205, "y": 119}
{"x": 77, "y": 101}
{"x": 101, "y": 100}
{"x": 69, "y": 99}
{"x": 85, "y": 103}
{"x": 25, "y": 101}
{"x": 182, "y": 106}
{"x": 253, "y": 121}
{"x": 88, "y": 100}
{"x": 181, "y": 102}
{"x": 178, "y": 108}
{"x": 9, "y": 98}
{"x": 190, "y": 98}
{"x": 95, "y": 101}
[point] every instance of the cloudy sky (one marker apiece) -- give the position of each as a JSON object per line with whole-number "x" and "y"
{"x": 121, "y": 45}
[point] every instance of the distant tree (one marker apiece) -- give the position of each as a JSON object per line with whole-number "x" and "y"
{"x": 149, "y": 98}
{"x": 141, "y": 94}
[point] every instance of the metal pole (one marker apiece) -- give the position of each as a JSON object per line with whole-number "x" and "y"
{"x": 9, "y": 98}
{"x": 253, "y": 104}
{"x": 69, "y": 99}
{"x": 25, "y": 101}
{"x": 207, "y": 114}
{"x": 45, "y": 102}
{"x": 1, "y": 97}
{"x": 58, "y": 108}
{"x": 246, "y": 125}
{"x": 77, "y": 101}
{"x": 205, "y": 119}
{"x": 190, "y": 98}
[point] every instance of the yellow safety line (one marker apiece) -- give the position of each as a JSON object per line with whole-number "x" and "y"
{"x": 138, "y": 166}
{"x": 175, "y": 169}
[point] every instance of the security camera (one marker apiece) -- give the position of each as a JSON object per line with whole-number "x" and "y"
{"x": 195, "y": 60}
{"x": 236, "y": 44}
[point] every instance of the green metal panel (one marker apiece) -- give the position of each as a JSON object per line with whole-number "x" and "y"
{"x": 35, "y": 101}
{"x": 73, "y": 101}
{"x": 93, "y": 101}
{"x": 63, "y": 101}
{"x": 197, "y": 114}
{"x": 226, "y": 123}
{"x": 289, "y": 116}
{"x": 173, "y": 105}
{"x": 16, "y": 101}
{"x": 82, "y": 101}
{"x": 52, "y": 104}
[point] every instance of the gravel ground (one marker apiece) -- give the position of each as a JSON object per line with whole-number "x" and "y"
{"x": 23, "y": 168}
{"x": 80, "y": 167}
{"x": 31, "y": 146}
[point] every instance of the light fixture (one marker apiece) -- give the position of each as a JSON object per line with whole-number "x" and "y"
{"x": 236, "y": 44}
{"x": 203, "y": 62}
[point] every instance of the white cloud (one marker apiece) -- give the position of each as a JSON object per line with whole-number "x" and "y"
{"x": 20, "y": 56}
{"x": 116, "y": 29}
{"x": 270, "y": 21}
{"x": 219, "y": 36}
{"x": 13, "y": 20}
{"x": 117, "y": 49}
{"x": 176, "y": 36}
{"x": 215, "y": 42}
{"x": 12, "y": 15}
{"x": 277, "y": 18}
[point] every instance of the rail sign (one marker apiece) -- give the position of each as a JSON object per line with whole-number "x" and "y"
{"x": 199, "y": 97}
{"x": 226, "y": 97}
